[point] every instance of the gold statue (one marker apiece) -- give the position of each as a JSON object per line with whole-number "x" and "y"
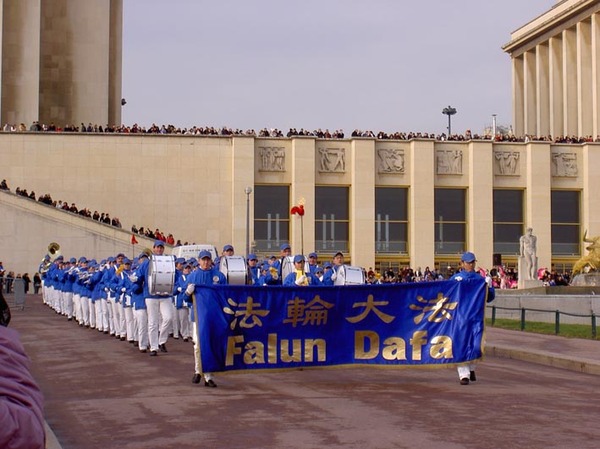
{"x": 590, "y": 262}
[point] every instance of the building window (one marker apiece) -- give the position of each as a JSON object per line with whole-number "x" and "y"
{"x": 450, "y": 221}
{"x": 391, "y": 220}
{"x": 332, "y": 219}
{"x": 271, "y": 217}
{"x": 508, "y": 221}
{"x": 566, "y": 234}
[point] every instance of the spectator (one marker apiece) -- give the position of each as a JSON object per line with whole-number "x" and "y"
{"x": 21, "y": 401}
{"x": 37, "y": 283}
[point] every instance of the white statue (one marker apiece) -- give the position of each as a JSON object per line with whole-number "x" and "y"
{"x": 528, "y": 251}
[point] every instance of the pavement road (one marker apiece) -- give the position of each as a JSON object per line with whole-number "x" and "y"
{"x": 102, "y": 393}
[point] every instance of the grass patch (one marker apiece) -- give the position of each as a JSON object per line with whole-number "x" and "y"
{"x": 565, "y": 330}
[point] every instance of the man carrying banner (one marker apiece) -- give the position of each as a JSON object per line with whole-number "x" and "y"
{"x": 466, "y": 372}
{"x": 206, "y": 274}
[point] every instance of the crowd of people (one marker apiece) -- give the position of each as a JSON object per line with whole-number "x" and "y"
{"x": 36, "y": 126}
{"x": 103, "y": 217}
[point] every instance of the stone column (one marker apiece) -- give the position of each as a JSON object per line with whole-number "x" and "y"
{"x": 518, "y": 96}
{"x": 584, "y": 79}
{"x": 480, "y": 202}
{"x": 569, "y": 40}
{"x": 362, "y": 203}
{"x": 304, "y": 153}
{"x": 529, "y": 92}
{"x": 557, "y": 120}
{"x": 542, "y": 64}
{"x": 421, "y": 235}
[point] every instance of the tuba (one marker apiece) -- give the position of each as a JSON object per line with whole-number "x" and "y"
{"x": 53, "y": 253}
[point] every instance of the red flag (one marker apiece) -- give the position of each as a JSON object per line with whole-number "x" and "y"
{"x": 133, "y": 240}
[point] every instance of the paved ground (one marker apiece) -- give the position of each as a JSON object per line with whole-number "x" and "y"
{"x": 102, "y": 393}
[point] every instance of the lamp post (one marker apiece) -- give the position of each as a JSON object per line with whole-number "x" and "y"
{"x": 449, "y": 111}
{"x": 248, "y": 191}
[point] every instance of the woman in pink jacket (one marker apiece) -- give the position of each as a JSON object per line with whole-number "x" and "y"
{"x": 21, "y": 401}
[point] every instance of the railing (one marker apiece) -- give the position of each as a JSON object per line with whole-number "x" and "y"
{"x": 557, "y": 314}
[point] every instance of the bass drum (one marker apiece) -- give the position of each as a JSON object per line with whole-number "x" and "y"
{"x": 234, "y": 269}
{"x": 286, "y": 266}
{"x": 349, "y": 275}
{"x": 161, "y": 275}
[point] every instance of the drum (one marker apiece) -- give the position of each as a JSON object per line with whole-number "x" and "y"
{"x": 349, "y": 275}
{"x": 161, "y": 275}
{"x": 287, "y": 266}
{"x": 234, "y": 269}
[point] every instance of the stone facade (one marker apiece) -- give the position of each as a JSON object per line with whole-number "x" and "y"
{"x": 61, "y": 61}
{"x": 194, "y": 187}
{"x": 556, "y": 71}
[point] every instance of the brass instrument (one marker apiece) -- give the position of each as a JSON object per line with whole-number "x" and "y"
{"x": 148, "y": 252}
{"x": 48, "y": 260}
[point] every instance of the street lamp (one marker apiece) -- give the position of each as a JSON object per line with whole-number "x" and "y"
{"x": 449, "y": 111}
{"x": 248, "y": 191}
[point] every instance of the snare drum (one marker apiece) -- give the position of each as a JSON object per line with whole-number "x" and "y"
{"x": 349, "y": 275}
{"x": 161, "y": 275}
{"x": 234, "y": 269}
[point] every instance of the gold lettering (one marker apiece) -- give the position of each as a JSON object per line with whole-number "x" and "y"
{"x": 272, "y": 346}
{"x": 295, "y": 356}
{"x": 394, "y": 349}
{"x": 441, "y": 348}
{"x": 254, "y": 352}
{"x": 309, "y": 349}
{"x": 360, "y": 343}
{"x": 418, "y": 340}
{"x": 233, "y": 349}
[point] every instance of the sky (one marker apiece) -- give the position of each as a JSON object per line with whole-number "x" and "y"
{"x": 380, "y": 65}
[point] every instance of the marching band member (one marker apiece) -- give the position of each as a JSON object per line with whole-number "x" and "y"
{"x": 313, "y": 262}
{"x": 269, "y": 275}
{"x": 123, "y": 294}
{"x": 157, "y": 306}
{"x": 466, "y": 372}
{"x": 108, "y": 280}
{"x": 253, "y": 269}
{"x": 68, "y": 280}
{"x": 319, "y": 273}
{"x": 98, "y": 297}
{"x": 204, "y": 275}
{"x": 227, "y": 252}
{"x": 140, "y": 312}
{"x": 116, "y": 310}
{"x": 178, "y": 273}
{"x": 182, "y": 311}
{"x": 330, "y": 276}
{"x": 298, "y": 276}
{"x": 84, "y": 300}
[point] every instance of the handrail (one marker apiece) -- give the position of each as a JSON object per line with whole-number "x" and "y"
{"x": 557, "y": 314}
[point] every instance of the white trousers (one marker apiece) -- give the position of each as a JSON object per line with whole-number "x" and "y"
{"x": 197, "y": 361}
{"x": 160, "y": 320}
{"x": 141, "y": 319}
{"x": 130, "y": 324}
{"x": 68, "y": 296}
{"x": 464, "y": 371}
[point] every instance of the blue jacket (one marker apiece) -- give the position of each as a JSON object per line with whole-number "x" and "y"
{"x": 469, "y": 275}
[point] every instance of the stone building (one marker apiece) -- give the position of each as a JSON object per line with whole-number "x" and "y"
{"x": 556, "y": 71}
{"x": 60, "y": 62}
{"x": 384, "y": 203}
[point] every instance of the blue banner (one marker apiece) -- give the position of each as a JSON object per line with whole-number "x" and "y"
{"x": 249, "y": 328}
